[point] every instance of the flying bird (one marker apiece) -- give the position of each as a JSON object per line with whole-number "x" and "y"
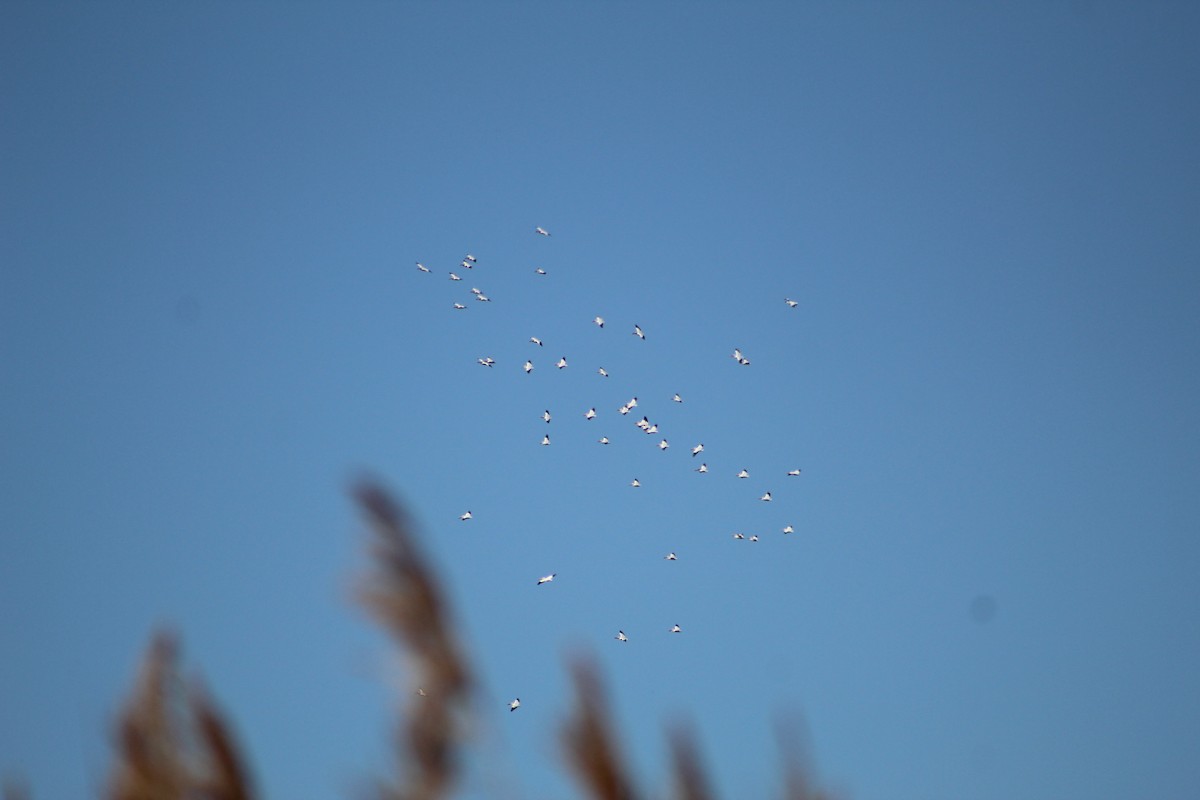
{"x": 536, "y": 340}
{"x": 540, "y": 271}
{"x": 789, "y": 529}
{"x": 546, "y": 415}
{"x": 483, "y": 298}
{"x": 754, "y": 538}
{"x": 459, "y": 307}
{"x": 643, "y": 423}
{"x": 676, "y": 629}
{"x": 637, "y": 331}
{"x": 475, "y": 291}
{"x": 670, "y": 556}
{"x": 739, "y": 536}
{"x": 766, "y": 498}
{"x": 487, "y": 362}
{"x": 422, "y": 267}
{"x": 663, "y": 445}
{"x": 599, "y": 322}
{"x": 623, "y": 410}
{"x": 542, "y": 231}
{"x": 562, "y": 362}
{"x": 635, "y": 483}
{"x": 652, "y": 429}
{"x": 632, "y": 403}
{"x": 793, "y": 472}
{"x": 528, "y": 367}
{"x": 698, "y": 449}
{"x": 454, "y": 277}
{"x": 791, "y": 303}
{"x": 621, "y": 637}
{"x": 677, "y": 399}
{"x": 739, "y": 358}
{"x": 471, "y": 258}
{"x": 603, "y": 440}
{"x": 515, "y": 704}
{"x": 589, "y": 414}
{"x": 546, "y": 578}
{"x": 465, "y": 264}
{"x": 465, "y": 516}
{"x": 603, "y": 372}
{"x": 743, "y": 474}
{"x": 702, "y": 468}
{"x": 546, "y": 440}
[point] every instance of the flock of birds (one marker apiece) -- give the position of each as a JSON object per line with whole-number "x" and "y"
{"x": 469, "y": 262}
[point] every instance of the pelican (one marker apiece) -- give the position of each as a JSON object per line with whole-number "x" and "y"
{"x": 766, "y": 498}
{"x": 791, "y": 303}
{"x": 632, "y": 402}
{"x": 670, "y": 556}
{"x": 676, "y": 629}
{"x": 475, "y": 291}
{"x": 422, "y": 267}
{"x": 643, "y": 423}
{"x": 487, "y": 362}
{"x": 743, "y": 474}
{"x": 702, "y": 468}
{"x": 653, "y": 428}
{"x": 471, "y": 258}
{"x": 739, "y": 536}
{"x": 599, "y": 322}
{"x": 635, "y": 483}
{"x": 540, "y": 271}
{"x": 623, "y": 410}
{"x": 621, "y": 637}
{"x": 459, "y": 307}
{"x": 546, "y": 578}
{"x": 546, "y": 415}
{"x": 754, "y": 538}
{"x": 603, "y": 440}
{"x": 589, "y": 414}
{"x": 603, "y": 372}
{"x": 515, "y": 704}
{"x": 528, "y": 367}
{"x": 677, "y": 398}
{"x": 483, "y": 298}
{"x": 637, "y": 331}
{"x": 698, "y": 449}
{"x": 536, "y": 340}
{"x": 789, "y": 529}
{"x": 546, "y": 440}
{"x": 465, "y": 264}
{"x": 793, "y": 473}
{"x": 541, "y": 231}
{"x": 454, "y": 277}
{"x": 562, "y": 362}
{"x": 465, "y": 516}
{"x": 663, "y": 445}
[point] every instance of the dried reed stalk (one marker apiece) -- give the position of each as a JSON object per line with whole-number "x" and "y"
{"x": 588, "y": 741}
{"x": 404, "y": 596}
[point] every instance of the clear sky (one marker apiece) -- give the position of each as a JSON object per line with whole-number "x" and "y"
{"x": 211, "y": 322}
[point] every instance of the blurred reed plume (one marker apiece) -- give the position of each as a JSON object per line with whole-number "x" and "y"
{"x": 171, "y": 740}
{"x": 172, "y": 744}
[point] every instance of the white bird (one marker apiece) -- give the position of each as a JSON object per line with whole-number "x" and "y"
{"x": 621, "y": 637}
{"x": 670, "y": 556}
{"x": 791, "y": 303}
{"x": 789, "y": 529}
{"x": 754, "y": 538}
{"x": 793, "y": 472}
{"x": 603, "y": 440}
{"x": 702, "y": 468}
{"x": 536, "y": 340}
{"x": 676, "y": 629}
{"x": 632, "y": 402}
{"x": 677, "y": 399}
{"x": 599, "y": 322}
{"x": 589, "y": 414}
{"x": 766, "y": 498}
{"x": 698, "y": 449}
{"x": 643, "y": 423}
{"x": 653, "y": 428}
{"x": 562, "y": 362}
{"x": 515, "y": 704}
{"x": 459, "y": 306}
{"x": 663, "y": 445}
{"x": 454, "y": 277}
{"x": 483, "y": 298}
{"x": 743, "y": 474}
{"x": 741, "y": 359}
{"x": 546, "y": 440}
{"x": 465, "y": 264}
{"x": 465, "y": 516}
{"x": 546, "y": 415}
{"x": 637, "y": 331}
{"x": 487, "y": 362}
{"x": 540, "y": 271}
{"x": 471, "y": 258}
{"x": 422, "y": 267}
{"x": 546, "y": 578}
{"x": 476, "y": 291}
{"x": 623, "y": 410}
{"x": 635, "y": 483}
{"x": 739, "y": 536}
{"x": 603, "y": 372}
{"x": 542, "y": 231}
{"x": 528, "y": 367}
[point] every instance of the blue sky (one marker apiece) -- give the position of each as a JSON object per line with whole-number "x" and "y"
{"x": 212, "y": 323}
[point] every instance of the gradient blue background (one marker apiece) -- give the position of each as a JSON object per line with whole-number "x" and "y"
{"x": 211, "y": 323}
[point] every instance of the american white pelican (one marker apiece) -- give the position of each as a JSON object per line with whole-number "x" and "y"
{"x": 635, "y": 483}
{"x": 589, "y": 414}
{"x": 621, "y": 637}
{"x": 791, "y": 303}
{"x": 487, "y": 362}
{"x": 466, "y": 516}
{"x": 536, "y": 340}
{"x": 562, "y": 362}
{"x": 677, "y": 398}
{"x": 743, "y": 474}
{"x": 789, "y": 529}
{"x": 603, "y": 372}
{"x": 754, "y": 538}
{"x": 698, "y": 449}
{"x": 632, "y": 402}
{"x": 422, "y": 267}
{"x": 542, "y": 231}
{"x": 546, "y": 578}
{"x": 540, "y": 271}
{"x": 794, "y": 473}
{"x": 676, "y": 629}
{"x": 702, "y": 468}
{"x": 739, "y": 536}
{"x": 483, "y": 298}
{"x": 528, "y": 367}
{"x": 454, "y": 277}
{"x": 766, "y": 498}
{"x": 663, "y": 445}
{"x": 471, "y": 258}
{"x": 603, "y": 440}
{"x": 670, "y": 556}
{"x": 459, "y": 307}
{"x": 546, "y": 415}
{"x": 599, "y": 322}
{"x": 637, "y": 331}
{"x": 546, "y": 440}
{"x": 515, "y": 704}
